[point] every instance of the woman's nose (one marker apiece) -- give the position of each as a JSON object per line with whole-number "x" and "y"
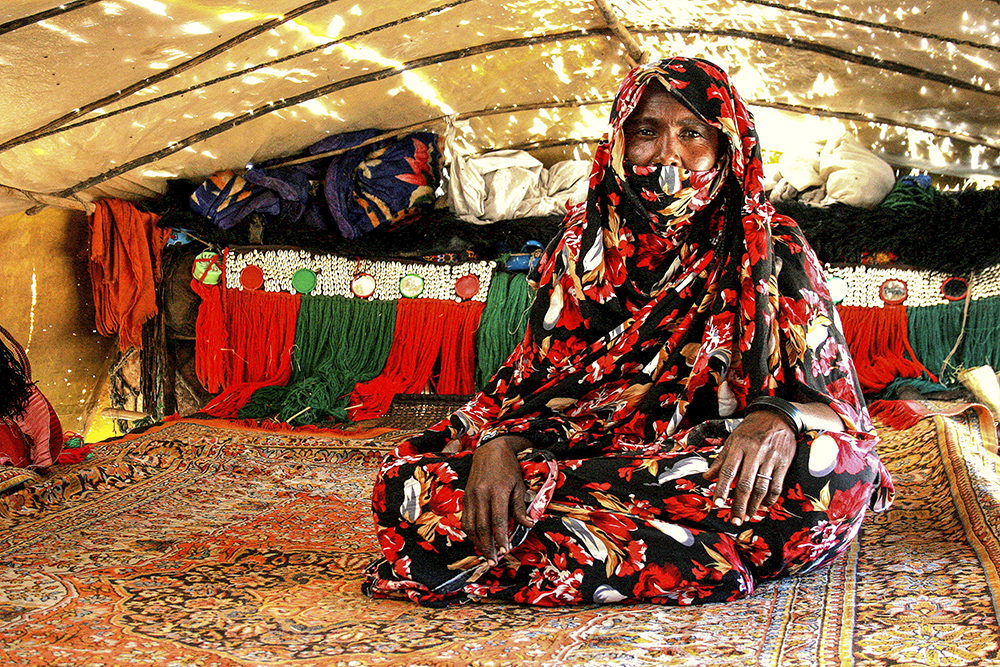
{"x": 667, "y": 153}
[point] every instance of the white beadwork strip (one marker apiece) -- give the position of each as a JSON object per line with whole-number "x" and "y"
{"x": 923, "y": 287}
{"x": 334, "y": 274}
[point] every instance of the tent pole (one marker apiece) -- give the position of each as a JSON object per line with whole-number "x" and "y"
{"x": 371, "y": 77}
{"x": 633, "y": 52}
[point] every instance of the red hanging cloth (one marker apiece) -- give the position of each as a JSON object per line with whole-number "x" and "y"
{"x": 125, "y": 251}
{"x": 251, "y": 349}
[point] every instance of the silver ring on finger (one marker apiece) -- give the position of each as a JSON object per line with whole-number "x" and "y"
{"x": 764, "y": 477}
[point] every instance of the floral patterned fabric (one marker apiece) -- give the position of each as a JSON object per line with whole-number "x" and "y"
{"x": 670, "y": 302}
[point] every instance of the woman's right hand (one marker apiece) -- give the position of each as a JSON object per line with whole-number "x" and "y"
{"x": 495, "y": 492}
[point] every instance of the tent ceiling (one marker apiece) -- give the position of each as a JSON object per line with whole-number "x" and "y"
{"x": 115, "y": 97}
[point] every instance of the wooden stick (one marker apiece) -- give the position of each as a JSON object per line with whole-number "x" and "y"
{"x": 126, "y": 415}
{"x": 253, "y": 68}
{"x": 861, "y": 118}
{"x": 874, "y": 26}
{"x": 822, "y": 49}
{"x": 41, "y": 200}
{"x": 633, "y": 52}
{"x": 431, "y": 121}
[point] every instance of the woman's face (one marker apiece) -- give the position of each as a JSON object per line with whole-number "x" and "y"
{"x": 662, "y": 131}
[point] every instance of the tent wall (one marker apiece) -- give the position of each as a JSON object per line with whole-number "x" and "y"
{"x": 46, "y": 303}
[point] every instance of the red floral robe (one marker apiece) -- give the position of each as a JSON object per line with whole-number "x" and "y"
{"x": 658, "y": 318}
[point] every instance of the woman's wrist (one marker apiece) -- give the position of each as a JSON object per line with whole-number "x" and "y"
{"x": 788, "y": 411}
{"x": 516, "y": 443}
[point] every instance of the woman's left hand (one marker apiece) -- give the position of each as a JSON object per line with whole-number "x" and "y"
{"x": 756, "y": 458}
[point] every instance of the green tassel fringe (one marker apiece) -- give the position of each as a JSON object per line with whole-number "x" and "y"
{"x": 502, "y": 324}
{"x": 338, "y": 343}
{"x": 934, "y": 330}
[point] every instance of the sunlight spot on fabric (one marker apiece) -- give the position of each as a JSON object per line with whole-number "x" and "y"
{"x": 151, "y": 6}
{"x": 419, "y": 86}
{"x": 316, "y": 107}
{"x": 34, "y": 305}
{"x": 196, "y": 29}
{"x": 65, "y": 33}
{"x": 335, "y": 27}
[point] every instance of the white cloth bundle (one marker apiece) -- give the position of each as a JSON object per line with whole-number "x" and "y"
{"x": 838, "y": 170}
{"x": 512, "y": 184}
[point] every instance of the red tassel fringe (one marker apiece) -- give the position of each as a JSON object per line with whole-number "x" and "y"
{"x": 246, "y": 346}
{"x": 426, "y": 330}
{"x": 880, "y": 345}
{"x": 899, "y": 415}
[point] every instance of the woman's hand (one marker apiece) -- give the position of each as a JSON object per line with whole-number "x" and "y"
{"x": 756, "y": 456}
{"x": 495, "y": 492}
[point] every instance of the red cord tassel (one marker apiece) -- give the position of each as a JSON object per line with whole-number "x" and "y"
{"x": 257, "y": 335}
{"x": 426, "y": 330}
{"x": 880, "y": 345}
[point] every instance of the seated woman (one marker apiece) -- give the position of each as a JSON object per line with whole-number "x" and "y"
{"x": 682, "y": 419}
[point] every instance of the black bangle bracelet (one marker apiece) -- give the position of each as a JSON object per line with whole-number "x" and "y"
{"x": 792, "y": 413}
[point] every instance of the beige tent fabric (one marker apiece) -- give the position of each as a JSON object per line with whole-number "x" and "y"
{"x": 115, "y": 97}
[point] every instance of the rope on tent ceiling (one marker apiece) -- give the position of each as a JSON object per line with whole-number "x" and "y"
{"x": 370, "y": 77}
{"x": 243, "y": 72}
{"x": 809, "y": 111}
{"x": 510, "y": 109}
{"x": 41, "y": 200}
{"x": 167, "y": 73}
{"x": 633, "y": 52}
{"x": 822, "y": 49}
{"x": 863, "y": 118}
{"x": 11, "y": 26}
{"x": 874, "y": 26}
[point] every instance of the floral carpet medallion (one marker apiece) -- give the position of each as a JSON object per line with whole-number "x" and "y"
{"x": 200, "y": 544}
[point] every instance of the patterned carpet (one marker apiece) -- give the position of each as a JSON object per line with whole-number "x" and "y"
{"x": 193, "y": 544}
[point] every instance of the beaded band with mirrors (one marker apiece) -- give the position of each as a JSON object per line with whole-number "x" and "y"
{"x": 876, "y": 287}
{"x": 317, "y": 274}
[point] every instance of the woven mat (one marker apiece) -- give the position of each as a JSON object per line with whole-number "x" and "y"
{"x": 415, "y": 412}
{"x": 197, "y": 545}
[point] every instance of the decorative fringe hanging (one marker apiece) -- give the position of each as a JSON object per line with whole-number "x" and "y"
{"x": 458, "y": 349}
{"x": 421, "y": 327}
{"x": 981, "y": 344}
{"x": 338, "y": 343}
{"x": 210, "y": 336}
{"x": 896, "y": 414}
{"x": 259, "y": 334}
{"x": 934, "y": 332}
{"x": 503, "y": 323}
{"x": 895, "y": 388}
{"x": 877, "y": 338}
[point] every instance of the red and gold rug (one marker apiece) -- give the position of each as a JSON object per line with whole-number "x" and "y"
{"x": 200, "y": 544}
